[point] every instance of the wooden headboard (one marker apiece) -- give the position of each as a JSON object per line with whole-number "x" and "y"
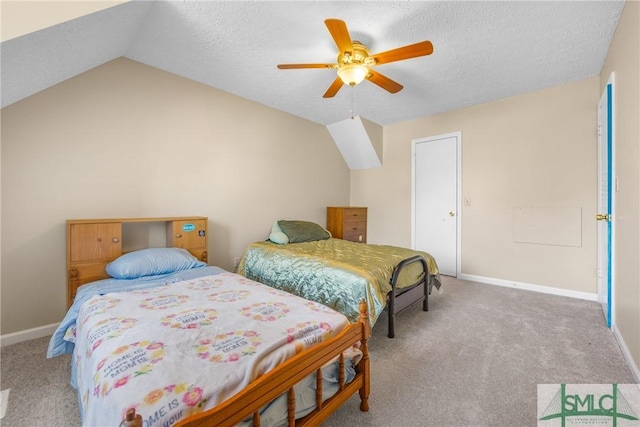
{"x": 93, "y": 243}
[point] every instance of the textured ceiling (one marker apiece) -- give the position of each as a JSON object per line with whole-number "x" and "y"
{"x": 482, "y": 50}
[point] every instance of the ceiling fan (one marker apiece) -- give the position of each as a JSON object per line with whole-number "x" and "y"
{"x": 355, "y": 63}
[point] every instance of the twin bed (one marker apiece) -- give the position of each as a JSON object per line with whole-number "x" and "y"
{"x": 174, "y": 346}
{"x": 181, "y": 342}
{"x": 302, "y": 258}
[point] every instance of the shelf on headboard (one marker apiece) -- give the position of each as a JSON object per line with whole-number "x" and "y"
{"x": 93, "y": 243}
{"x": 159, "y": 219}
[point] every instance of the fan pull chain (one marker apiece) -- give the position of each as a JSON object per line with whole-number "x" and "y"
{"x": 351, "y": 107}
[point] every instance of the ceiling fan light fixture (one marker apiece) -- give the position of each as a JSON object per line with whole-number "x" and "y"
{"x": 352, "y": 74}
{"x": 354, "y": 63}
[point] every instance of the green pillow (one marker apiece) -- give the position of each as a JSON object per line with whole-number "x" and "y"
{"x": 303, "y": 231}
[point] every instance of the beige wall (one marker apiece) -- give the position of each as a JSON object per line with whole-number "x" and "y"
{"x": 533, "y": 150}
{"x": 128, "y": 140}
{"x": 623, "y": 60}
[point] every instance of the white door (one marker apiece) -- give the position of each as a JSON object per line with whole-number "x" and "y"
{"x": 605, "y": 200}
{"x": 435, "y": 199}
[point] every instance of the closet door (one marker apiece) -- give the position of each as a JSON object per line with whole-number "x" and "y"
{"x": 436, "y": 200}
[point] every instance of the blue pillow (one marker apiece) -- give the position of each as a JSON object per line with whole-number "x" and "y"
{"x": 152, "y": 262}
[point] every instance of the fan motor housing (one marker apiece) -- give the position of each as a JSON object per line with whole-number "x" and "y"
{"x": 360, "y": 55}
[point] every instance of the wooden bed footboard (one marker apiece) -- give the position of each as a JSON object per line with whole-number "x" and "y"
{"x": 399, "y": 299}
{"x": 248, "y": 402}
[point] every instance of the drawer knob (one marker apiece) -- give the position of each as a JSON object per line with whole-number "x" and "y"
{"x": 115, "y": 240}
{"x": 178, "y": 235}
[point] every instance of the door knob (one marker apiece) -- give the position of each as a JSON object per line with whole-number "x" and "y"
{"x": 452, "y": 213}
{"x": 603, "y": 217}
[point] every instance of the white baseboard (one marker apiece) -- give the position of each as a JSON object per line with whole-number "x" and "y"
{"x": 627, "y": 353}
{"x": 29, "y": 334}
{"x": 529, "y": 287}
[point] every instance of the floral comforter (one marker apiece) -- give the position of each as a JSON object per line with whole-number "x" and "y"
{"x": 174, "y": 350}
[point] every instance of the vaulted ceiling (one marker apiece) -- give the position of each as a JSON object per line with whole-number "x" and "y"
{"x": 483, "y": 51}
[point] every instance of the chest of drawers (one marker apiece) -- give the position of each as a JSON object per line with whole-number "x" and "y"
{"x": 347, "y": 223}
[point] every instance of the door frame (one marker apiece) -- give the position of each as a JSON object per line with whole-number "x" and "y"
{"x": 458, "y": 136}
{"x": 608, "y": 93}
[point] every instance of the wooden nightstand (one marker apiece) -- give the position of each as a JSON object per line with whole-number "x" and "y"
{"x": 347, "y": 223}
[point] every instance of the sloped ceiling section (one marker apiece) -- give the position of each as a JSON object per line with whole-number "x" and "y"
{"x": 29, "y": 16}
{"x": 356, "y": 144}
{"x": 482, "y": 50}
{"x": 44, "y": 58}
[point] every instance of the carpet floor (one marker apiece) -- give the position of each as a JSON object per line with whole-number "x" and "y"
{"x": 474, "y": 359}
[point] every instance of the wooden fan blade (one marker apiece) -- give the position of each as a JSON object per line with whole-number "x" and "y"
{"x": 406, "y": 52}
{"x": 333, "y": 89}
{"x": 340, "y": 34}
{"x": 294, "y": 66}
{"x": 384, "y": 82}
